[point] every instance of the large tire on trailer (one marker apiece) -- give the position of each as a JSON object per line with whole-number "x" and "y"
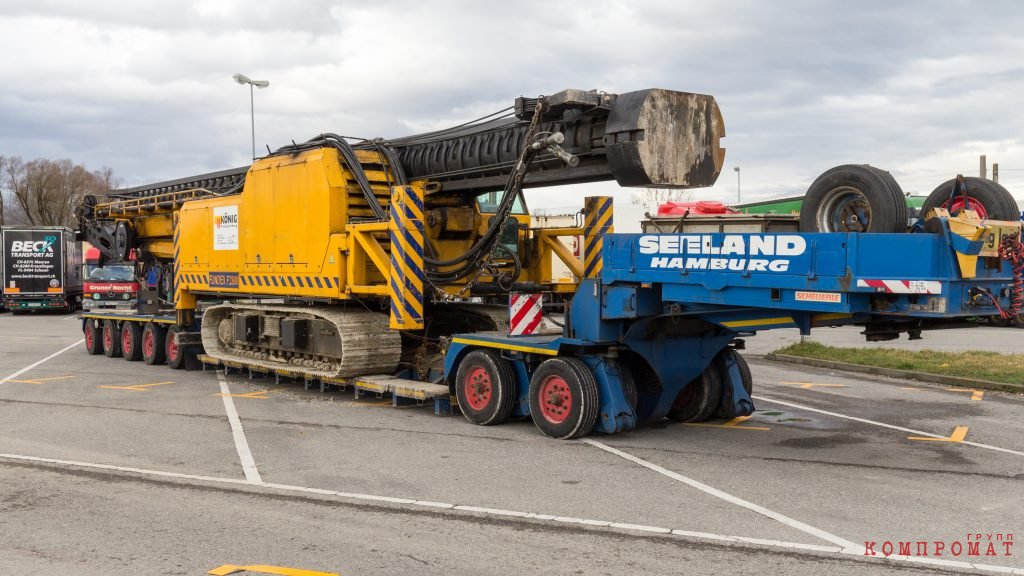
{"x": 93, "y": 337}
{"x": 989, "y": 199}
{"x": 628, "y": 383}
{"x": 699, "y": 399}
{"x": 563, "y": 398}
{"x": 111, "y": 339}
{"x": 854, "y": 198}
{"x": 485, "y": 387}
{"x": 174, "y": 353}
{"x": 747, "y": 378}
{"x": 153, "y": 343}
{"x": 131, "y": 341}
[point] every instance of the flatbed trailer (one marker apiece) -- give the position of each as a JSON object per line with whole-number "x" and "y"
{"x": 655, "y": 331}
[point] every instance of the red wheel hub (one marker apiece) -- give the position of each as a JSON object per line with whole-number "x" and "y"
{"x": 957, "y": 206}
{"x": 477, "y": 385}
{"x": 172, "y": 348}
{"x": 147, "y": 344}
{"x": 555, "y": 399}
{"x": 108, "y": 338}
{"x": 88, "y": 337}
{"x": 126, "y": 341}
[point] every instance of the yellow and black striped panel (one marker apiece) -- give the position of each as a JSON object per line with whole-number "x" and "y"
{"x": 598, "y": 222}
{"x": 262, "y": 282}
{"x": 406, "y": 280}
{"x": 177, "y": 260}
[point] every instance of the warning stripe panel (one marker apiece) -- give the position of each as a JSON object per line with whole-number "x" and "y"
{"x": 903, "y": 286}
{"x": 525, "y": 313}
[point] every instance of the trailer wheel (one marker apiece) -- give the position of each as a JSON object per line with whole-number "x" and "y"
{"x": 153, "y": 343}
{"x": 699, "y": 399}
{"x": 563, "y": 398}
{"x": 93, "y": 338}
{"x": 172, "y": 351}
{"x": 131, "y": 341}
{"x": 111, "y": 339}
{"x": 485, "y": 387}
{"x": 989, "y": 199}
{"x": 854, "y": 198}
{"x": 745, "y": 375}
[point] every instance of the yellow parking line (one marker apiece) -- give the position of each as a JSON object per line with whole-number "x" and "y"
{"x": 137, "y": 387}
{"x": 976, "y": 395}
{"x": 257, "y": 395}
{"x": 809, "y": 385}
{"x": 958, "y": 435}
{"x": 733, "y": 424}
{"x": 41, "y": 380}
{"x": 263, "y": 569}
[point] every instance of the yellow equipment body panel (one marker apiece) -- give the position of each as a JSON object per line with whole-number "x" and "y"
{"x": 279, "y": 237}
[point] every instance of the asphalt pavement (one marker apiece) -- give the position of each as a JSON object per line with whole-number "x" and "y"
{"x": 115, "y": 467}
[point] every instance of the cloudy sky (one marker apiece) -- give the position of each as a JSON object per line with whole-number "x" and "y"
{"x": 918, "y": 88}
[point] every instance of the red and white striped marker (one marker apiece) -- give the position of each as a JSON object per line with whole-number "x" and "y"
{"x": 525, "y": 312}
{"x": 902, "y": 286}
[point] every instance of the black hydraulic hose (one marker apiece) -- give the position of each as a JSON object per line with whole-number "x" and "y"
{"x": 348, "y": 154}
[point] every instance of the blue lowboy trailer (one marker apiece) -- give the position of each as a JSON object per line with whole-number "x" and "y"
{"x": 656, "y": 332}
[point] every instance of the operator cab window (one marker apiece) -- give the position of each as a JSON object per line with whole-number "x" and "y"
{"x": 488, "y": 203}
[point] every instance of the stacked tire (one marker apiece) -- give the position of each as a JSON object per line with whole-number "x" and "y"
{"x": 854, "y": 198}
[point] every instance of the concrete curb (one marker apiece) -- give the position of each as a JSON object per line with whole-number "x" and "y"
{"x": 897, "y": 373}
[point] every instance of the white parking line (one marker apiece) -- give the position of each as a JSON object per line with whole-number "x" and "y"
{"x": 252, "y": 474}
{"x": 33, "y": 365}
{"x": 806, "y": 528}
{"x": 855, "y": 554}
{"x": 881, "y": 424}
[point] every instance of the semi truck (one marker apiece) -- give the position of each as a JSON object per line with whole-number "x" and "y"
{"x": 408, "y": 266}
{"x": 42, "y": 269}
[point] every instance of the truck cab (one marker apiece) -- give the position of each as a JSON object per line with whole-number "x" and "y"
{"x": 112, "y": 285}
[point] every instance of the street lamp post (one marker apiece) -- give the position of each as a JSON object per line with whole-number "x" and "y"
{"x": 739, "y": 198}
{"x": 243, "y": 80}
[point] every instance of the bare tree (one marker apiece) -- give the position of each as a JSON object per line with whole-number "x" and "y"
{"x": 3, "y": 163}
{"x": 650, "y": 198}
{"x": 47, "y": 192}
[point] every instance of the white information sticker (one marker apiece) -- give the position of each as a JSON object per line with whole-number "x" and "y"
{"x": 225, "y": 228}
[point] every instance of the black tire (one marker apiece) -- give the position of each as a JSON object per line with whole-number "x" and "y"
{"x": 93, "y": 338}
{"x": 571, "y": 404}
{"x": 1000, "y": 322}
{"x": 174, "y": 354}
{"x": 111, "y": 338}
{"x": 153, "y": 343}
{"x": 724, "y": 411}
{"x": 996, "y": 202}
{"x": 699, "y": 399}
{"x": 485, "y": 387}
{"x": 131, "y": 341}
{"x": 1019, "y": 320}
{"x": 123, "y": 240}
{"x": 854, "y": 198}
